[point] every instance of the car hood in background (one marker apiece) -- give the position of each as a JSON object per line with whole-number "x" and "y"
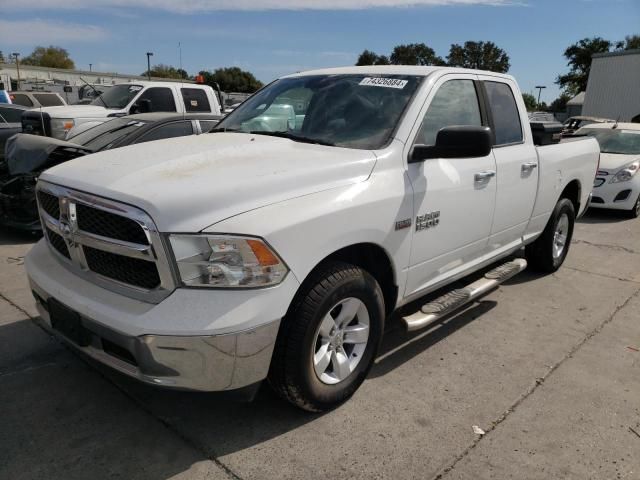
{"x": 76, "y": 111}
{"x": 187, "y": 184}
{"x": 613, "y": 161}
{"x": 27, "y": 153}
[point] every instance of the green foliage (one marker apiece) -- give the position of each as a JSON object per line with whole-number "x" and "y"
{"x": 560, "y": 103}
{"x": 530, "y": 102}
{"x": 630, "y": 42}
{"x": 2, "y": 60}
{"x": 579, "y": 60}
{"x": 367, "y": 57}
{"x": 51, "y": 56}
{"x": 232, "y": 79}
{"x": 415, "y": 54}
{"x": 167, "y": 71}
{"x": 479, "y": 55}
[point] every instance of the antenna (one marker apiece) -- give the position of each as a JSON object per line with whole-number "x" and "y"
{"x": 616, "y": 124}
{"x": 184, "y": 110}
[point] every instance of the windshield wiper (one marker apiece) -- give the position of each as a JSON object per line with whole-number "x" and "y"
{"x": 295, "y": 138}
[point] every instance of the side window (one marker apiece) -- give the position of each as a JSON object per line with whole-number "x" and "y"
{"x": 21, "y": 99}
{"x": 195, "y": 100}
{"x": 207, "y": 125}
{"x": 48, "y": 99}
{"x": 170, "y": 130}
{"x": 504, "y": 110}
{"x": 161, "y": 99}
{"x": 11, "y": 115}
{"x": 455, "y": 103}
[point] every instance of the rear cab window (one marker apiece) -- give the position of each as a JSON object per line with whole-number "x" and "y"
{"x": 21, "y": 99}
{"x": 504, "y": 114}
{"x": 195, "y": 100}
{"x": 48, "y": 99}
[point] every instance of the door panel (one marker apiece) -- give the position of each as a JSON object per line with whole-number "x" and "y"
{"x": 453, "y": 211}
{"x": 517, "y": 165}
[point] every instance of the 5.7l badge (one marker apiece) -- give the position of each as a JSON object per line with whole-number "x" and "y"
{"x": 428, "y": 220}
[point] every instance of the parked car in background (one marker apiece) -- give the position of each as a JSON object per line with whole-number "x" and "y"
{"x": 572, "y": 124}
{"x": 119, "y": 100}
{"x": 10, "y": 124}
{"x": 29, "y": 155}
{"x": 617, "y": 183}
{"x": 542, "y": 117}
{"x": 276, "y": 246}
{"x": 34, "y": 99}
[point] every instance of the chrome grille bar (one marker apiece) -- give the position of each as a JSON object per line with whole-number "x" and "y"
{"x": 66, "y": 226}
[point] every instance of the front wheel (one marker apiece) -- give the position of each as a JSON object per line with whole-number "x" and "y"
{"x": 329, "y": 338}
{"x": 635, "y": 211}
{"x": 550, "y": 249}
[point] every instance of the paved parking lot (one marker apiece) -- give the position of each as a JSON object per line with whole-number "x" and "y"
{"x": 548, "y": 367}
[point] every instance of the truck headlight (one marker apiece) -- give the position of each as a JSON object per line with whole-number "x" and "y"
{"x": 627, "y": 173}
{"x": 60, "y": 127}
{"x": 226, "y": 261}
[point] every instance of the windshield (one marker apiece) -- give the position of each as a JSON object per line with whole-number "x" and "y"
{"x": 104, "y": 135}
{"x": 352, "y": 111}
{"x": 624, "y": 142}
{"x": 117, "y": 96}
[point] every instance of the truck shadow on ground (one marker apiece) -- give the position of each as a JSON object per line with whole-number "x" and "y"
{"x": 597, "y": 216}
{"x": 17, "y": 237}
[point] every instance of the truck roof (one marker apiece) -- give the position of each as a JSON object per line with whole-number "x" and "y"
{"x": 396, "y": 70}
{"x": 146, "y": 83}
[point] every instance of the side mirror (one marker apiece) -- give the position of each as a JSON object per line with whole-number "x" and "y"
{"x": 463, "y": 141}
{"x": 141, "y": 106}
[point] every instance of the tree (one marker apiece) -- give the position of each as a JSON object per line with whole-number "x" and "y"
{"x": 167, "y": 71}
{"x": 630, "y": 42}
{"x": 530, "y": 102}
{"x": 1, "y": 57}
{"x": 232, "y": 79}
{"x": 479, "y": 55}
{"x": 415, "y": 54}
{"x": 579, "y": 60}
{"x": 52, "y": 57}
{"x": 367, "y": 57}
{"x": 560, "y": 103}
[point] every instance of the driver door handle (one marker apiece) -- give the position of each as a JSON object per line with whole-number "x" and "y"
{"x": 483, "y": 176}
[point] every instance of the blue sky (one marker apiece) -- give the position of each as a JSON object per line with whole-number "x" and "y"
{"x": 275, "y": 37}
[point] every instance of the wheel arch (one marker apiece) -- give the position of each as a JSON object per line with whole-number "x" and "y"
{"x": 573, "y": 192}
{"x": 370, "y": 257}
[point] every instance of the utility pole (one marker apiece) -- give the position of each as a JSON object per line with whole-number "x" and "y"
{"x": 90, "y": 65}
{"x": 16, "y": 55}
{"x": 540, "y": 87}
{"x": 149, "y": 55}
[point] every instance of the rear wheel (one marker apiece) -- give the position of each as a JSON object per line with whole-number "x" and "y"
{"x": 635, "y": 211}
{"x": 549, "y": 250}
{"x": 328, "y": 340}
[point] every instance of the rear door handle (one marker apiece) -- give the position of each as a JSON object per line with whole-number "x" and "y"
{"x": 527, "y": 167}
{"x": 483, "y": 176}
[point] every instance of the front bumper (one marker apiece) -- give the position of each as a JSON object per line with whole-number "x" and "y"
{"x": 195, "y": 339}
{"x": 615, "y": 196}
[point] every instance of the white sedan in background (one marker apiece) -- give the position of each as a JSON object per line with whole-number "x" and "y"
{"x": 617, "y": 183}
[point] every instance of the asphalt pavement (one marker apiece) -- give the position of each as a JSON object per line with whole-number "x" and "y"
{"x": 548, "y": 367}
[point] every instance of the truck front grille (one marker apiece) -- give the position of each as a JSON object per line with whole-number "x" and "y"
{"x": 123, "y": 269}
{"x": 112, "y": 244}
{"x": 108, "y": 224}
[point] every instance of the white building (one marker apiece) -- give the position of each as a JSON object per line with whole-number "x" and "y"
{"x": 613, "y": 90}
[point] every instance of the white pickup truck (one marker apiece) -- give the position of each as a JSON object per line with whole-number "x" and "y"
{"x": 119, "y": 100}
{"x": 273, "y": 249}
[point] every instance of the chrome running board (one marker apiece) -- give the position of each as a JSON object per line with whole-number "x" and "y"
{"x": 455, "y": 299}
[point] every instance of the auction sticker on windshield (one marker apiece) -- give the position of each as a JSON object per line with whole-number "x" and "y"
{"x": 383, "y": 82}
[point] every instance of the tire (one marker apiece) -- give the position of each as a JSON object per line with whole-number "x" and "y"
{"x": 635, "y": 211}
{"x": 333, "y": 293}
{"x": 549, "y": 250}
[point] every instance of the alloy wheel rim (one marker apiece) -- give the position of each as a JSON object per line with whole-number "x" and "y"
{"x": 560, "y": 236}
{"x": 341, "y": 340}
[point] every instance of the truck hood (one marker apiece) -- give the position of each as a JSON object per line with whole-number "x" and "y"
{"x": 189, "y": 183}
{"x": 613, "y": 162}
{"x": 77, "y": 111}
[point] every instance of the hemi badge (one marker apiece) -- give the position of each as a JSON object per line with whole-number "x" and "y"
{"x": 400, "y": 224}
